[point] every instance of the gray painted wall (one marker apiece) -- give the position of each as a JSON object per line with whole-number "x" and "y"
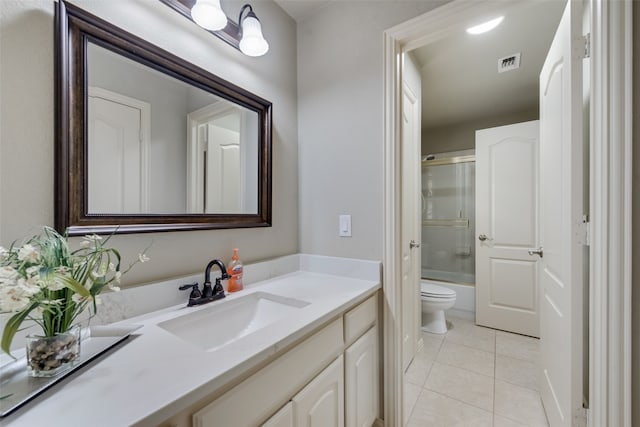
{"x": 27, "y": 114}
{"x": 462, "y": 136}
{"x": 340, "y": 121}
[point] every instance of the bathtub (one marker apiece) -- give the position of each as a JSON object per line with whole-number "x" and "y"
{"x": 465, "y": 306}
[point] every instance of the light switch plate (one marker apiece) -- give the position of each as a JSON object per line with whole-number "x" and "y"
{"x": 344, "y": 226}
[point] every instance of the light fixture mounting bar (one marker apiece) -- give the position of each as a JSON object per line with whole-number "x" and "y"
{"x": 229, "y": 34}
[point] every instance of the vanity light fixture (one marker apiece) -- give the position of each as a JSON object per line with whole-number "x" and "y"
{"x": 252, "y": 42}
{"x": 209, "y": 15}
{"x": 245, "y": 35}
{"x": 486, "y": 26}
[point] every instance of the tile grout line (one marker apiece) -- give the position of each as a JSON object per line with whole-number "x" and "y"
{"x": 456, "y": 399}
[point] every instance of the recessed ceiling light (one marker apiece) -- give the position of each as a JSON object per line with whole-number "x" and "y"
{"x": 487, "y": 26}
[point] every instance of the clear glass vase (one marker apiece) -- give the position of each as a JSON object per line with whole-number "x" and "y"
{"x": 49, "y": 356}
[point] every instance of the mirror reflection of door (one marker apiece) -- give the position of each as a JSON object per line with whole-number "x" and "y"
{"x": 216, "y": 181}
{"x": 119, "y": 134}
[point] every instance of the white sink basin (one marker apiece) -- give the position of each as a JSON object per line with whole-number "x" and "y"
{"x": 226, "y": 321}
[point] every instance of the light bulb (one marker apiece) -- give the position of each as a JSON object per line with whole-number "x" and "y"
{"x": 484, "y": 27}
{"x": 253, "y": 42}
{"x": 209, "y": 15}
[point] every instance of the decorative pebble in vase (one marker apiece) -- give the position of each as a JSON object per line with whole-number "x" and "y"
{"x": 49, "y": 356}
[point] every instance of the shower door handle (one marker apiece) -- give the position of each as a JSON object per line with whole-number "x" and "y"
{"x": 413, "y": 244}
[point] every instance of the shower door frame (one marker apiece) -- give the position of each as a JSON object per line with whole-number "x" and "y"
{"x": 446, "y": 161}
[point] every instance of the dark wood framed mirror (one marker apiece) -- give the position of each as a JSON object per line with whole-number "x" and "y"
{"x": 147, "y": 142}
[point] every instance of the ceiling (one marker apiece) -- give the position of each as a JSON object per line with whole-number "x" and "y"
{"x": 460, "y": 79}
{"x": 301, "y": 9}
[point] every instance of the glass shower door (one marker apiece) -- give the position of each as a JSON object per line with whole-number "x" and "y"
{"x": 448, "y": 220}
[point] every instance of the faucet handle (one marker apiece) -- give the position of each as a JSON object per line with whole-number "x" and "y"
{"x": 218, "y": 289}
{"x": 195, "y": 292}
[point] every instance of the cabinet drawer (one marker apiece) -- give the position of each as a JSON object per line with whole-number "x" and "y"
{"x": 252, "y": 401}
{"x": 359, "y": 319}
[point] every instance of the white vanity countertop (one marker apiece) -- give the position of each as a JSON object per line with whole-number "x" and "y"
{"x": 155, "y": 374}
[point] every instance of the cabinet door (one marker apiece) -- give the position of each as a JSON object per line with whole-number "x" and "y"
{"x": 282, "y": 418}
{"x": 321, "y": 402}
{"x": 362, "y": 380}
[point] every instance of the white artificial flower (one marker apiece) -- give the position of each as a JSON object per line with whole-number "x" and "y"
{"x": 63, "y": 270}
{"x": 113, "y": 287}
{"x": 28, "y": 287}
{"x": 143, "y": 257}
{"x": 28, "y": 253}
{"x": 8, "y": 274}
{"x": 4, "y": 253}
{"x": 112, "y": 266}
{"x": 92, "y": 238}
{"x": 78, "y": 299}
{"x": 54, "y": 283}
{"x": 35, "y": 281}
{"x": 85, "y": 243}
{"x": 14, "y": 298}
{"x": 100, "y": 271}
{"x": 34, "y": 270}
{"x": 118, "y": 276}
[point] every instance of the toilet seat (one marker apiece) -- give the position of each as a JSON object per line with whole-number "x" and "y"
{"x": 430, "y": 290}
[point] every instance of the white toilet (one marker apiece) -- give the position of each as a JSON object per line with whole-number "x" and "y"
{"x": 435, "y": 300}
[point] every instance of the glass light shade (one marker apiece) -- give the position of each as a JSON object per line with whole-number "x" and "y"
{"x": 208, "y": 14}
{"x": 486, "y": 26}
{"x": 253, "y": 42}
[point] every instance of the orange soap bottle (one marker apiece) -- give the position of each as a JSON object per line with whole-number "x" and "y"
{"x": 235, "y": 272}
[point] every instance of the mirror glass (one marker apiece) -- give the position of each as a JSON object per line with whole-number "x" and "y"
{"x": 157, "y": 145}
{"x": 147, "y": 142}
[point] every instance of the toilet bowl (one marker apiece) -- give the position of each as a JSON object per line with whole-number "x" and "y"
{"x": 435, "y": 300}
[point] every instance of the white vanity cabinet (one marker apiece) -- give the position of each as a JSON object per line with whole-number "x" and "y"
{"x": 362, "y": 380}
{"x": 321, "y": 402}
{"x": 330, "y": 379}
{"x": 282, "y": 418}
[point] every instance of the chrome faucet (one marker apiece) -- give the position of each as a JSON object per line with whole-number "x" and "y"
{"x": 208, "y": 293}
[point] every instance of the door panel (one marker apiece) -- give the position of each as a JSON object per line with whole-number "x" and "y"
{"x": 513, "y": 204}
{"x": 321, "y": 402}
{"x": 504, "y": 294}
{"x": 362, "y": 380}
{"x": 223, "y": 171}
{"x": 561, "y": 276}
{"x": 507, "y": 214}
{"x": 410, "y": 223}
{"x": 115, "y": 157}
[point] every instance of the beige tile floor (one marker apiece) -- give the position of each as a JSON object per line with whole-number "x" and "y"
{"x": 475, "y": 377}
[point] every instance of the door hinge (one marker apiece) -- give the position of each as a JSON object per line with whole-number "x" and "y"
{"x": 580, "y": 417}
{"x": 586, "y": 46}
{"x": 584, "y": 231}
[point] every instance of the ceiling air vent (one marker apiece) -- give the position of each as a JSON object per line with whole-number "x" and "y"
{"x": 508, "y": 63}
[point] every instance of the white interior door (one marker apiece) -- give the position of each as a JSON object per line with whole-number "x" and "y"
{"x": 410, "y": 223}
{"x": 507, "y": 227}
{"x": 561, "y": 277}
{"x": 223, "y": 171}
{"x": 116, "y": 153}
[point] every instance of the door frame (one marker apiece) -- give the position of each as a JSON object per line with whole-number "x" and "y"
{"x": 610, "y": 177}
